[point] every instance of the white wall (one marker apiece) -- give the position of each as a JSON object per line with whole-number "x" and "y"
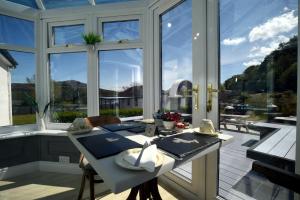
{"x": 4, "y": 96}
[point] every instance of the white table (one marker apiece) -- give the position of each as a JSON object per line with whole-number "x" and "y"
{"x": 119, "y": 179}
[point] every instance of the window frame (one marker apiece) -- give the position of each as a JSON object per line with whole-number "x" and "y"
{"x": 124, "y": 18}
{"x": 91, "y": 20}
{"x": 30, "y": 16}
{"x": 57, "y": 125}
{"x": 143, "y": 67}
{"x": 51, "y": 34}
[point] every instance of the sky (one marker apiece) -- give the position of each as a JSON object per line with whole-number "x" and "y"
{"x": 249, "y": 30}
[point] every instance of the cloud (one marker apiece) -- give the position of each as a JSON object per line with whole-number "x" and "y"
{"x": 252, "y": 62}
{"x": 275, "y": 26}
{"x": 259, "y": 52}
{"x": 285, "y": 9}
{"x": 233, "y": 41}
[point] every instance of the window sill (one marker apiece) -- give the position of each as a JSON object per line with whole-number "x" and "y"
{"x": 18, "y": 134}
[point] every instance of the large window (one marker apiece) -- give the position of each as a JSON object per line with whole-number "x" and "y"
{"x": 68, "y": 94}
{"x": 15, "y": 31}
{"x": 176, "y": 67}
{"x": 258, "y": 49}
{"x": 121, "y": 30}
{"x": 176, "y": 59}
{"x": 259, "y": 59}
{"x": 121, "y": 82}
{"x": 17, "y": 77}
{"x": 17, "y": 71}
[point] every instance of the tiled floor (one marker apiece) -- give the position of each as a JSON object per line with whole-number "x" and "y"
{"x": 57, "y": 186}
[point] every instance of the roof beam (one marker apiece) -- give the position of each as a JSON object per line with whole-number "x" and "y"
{"x": 40, "y": 4}
{"x": 92, "y": 2}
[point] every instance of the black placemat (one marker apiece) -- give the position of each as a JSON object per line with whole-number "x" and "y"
{"x": 140, "y": 129}
{"x": 121, "y": 127}
{"x": 108, "y": 144}
{"x": 181, "y": 145}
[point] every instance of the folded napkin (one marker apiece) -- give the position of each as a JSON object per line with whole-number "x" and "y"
{"x": 144, "y": 159}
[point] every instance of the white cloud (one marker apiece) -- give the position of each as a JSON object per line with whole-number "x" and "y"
{"x": 285, "y": 9}
{"x": 252, "y": 62}
{"x": 233, "y": 41}
{"x": 265, "y": 50}
{"x": 275, "y": 26}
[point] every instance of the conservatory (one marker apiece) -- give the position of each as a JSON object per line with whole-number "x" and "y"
{"x": 149, "y": 99}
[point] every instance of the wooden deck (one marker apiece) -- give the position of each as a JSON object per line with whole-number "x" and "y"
{"x": 281, "y": 144}
{"x": 235, "y": 166}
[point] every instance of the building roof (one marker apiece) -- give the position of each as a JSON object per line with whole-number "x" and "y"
{"x": 13, "y": 63}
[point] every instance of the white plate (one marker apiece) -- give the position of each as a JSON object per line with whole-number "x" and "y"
{"x": 119, "y": 159}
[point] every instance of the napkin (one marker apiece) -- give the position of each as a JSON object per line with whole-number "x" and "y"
{"x": 147, "y": 158}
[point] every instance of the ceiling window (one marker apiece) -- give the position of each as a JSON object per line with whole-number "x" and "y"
{"x": 17, "y": 32}
{"x": 51, "y": 4}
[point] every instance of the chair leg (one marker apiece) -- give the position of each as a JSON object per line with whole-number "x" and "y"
{"x": 81, "y": 186}
{"x": 92, "y": 189}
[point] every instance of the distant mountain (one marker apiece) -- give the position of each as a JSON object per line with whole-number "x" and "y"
{"x": 277, "y": 72}
{"x": 72, "y": 91}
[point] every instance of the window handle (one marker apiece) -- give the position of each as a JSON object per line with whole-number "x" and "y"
{"x": 210, "y": 91}
{"x": 196, "y": 96}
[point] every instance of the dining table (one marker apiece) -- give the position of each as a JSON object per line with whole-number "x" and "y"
{"x": 119, "y": 179}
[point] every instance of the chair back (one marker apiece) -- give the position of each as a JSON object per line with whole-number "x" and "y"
{"x": 95, "y": 121}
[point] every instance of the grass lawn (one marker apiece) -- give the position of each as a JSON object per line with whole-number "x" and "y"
{"x": 24, "y": 119}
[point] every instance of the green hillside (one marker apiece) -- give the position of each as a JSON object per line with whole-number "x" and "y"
{"x": 273, "y": 81}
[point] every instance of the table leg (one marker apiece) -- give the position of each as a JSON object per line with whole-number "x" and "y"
{"x": 133, "y": 193}
{"x": 146, "y": 191}
{"x": 154, "y": 189}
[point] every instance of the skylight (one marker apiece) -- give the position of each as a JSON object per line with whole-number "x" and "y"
{"x": 52, "y": 4}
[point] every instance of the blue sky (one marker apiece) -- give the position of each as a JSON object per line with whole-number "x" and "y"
{"x": 249, "y": 30}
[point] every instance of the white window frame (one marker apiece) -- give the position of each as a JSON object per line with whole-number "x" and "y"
{"x": 124, "y": 18}
{"x": 114, "y": 45}
{"x": 92, "y": 22}
{"x": 30, "y": 16}
{"x": 51, "y": 34}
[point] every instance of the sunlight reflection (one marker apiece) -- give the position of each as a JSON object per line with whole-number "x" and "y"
{"x": 34, "y": 190}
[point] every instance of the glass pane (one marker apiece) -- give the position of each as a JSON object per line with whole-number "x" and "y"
{"x": 50, "y": 4}
{"x": 258, "y": 41}
{"x": 176, "y": 66}
{"x": 16, "y": 31}
{"x": 111, "y": 1}
{"x": 65, "y": 35}
{"x": 17, "y": 77}
{"x": 121, "y": 82}
{"x": 68, "y": 86}
{"x": 123, "y": 30}
{"x": 29, "y": 3}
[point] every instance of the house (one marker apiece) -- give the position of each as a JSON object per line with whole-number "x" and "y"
{"x": 7, "y": 63}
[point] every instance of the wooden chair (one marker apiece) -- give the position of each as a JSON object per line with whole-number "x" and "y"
{"x": 88, "y": 171}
